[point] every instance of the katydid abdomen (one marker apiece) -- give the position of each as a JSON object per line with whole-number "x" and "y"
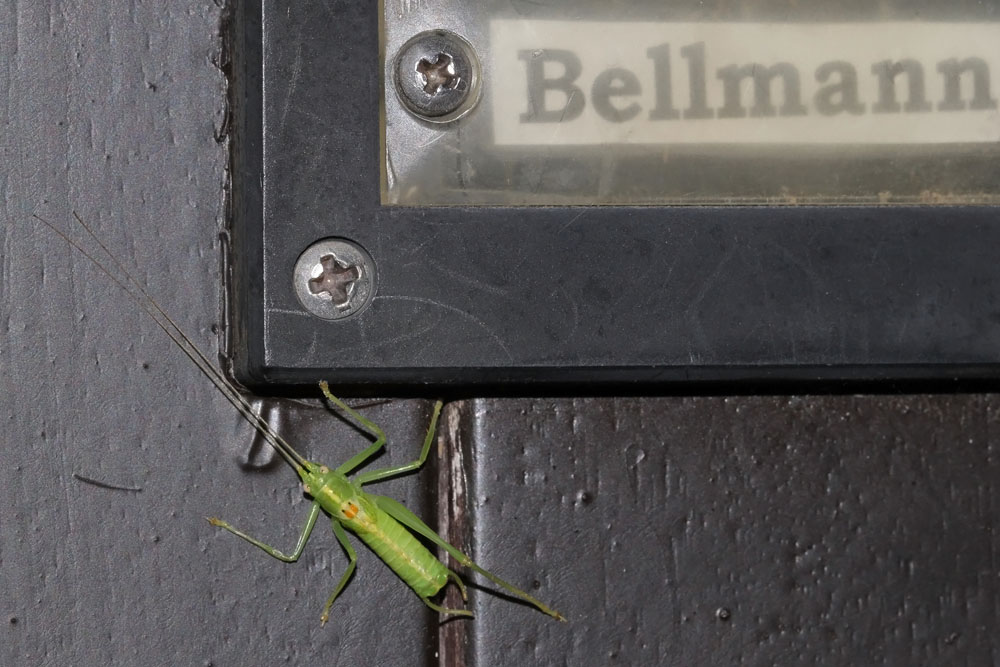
{"x": 406, "y": 555}
{"x": 360, "y": 513}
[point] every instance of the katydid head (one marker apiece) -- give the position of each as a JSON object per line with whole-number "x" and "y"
{"x": 340, "y": 497}
{"x": 327, "y": 486}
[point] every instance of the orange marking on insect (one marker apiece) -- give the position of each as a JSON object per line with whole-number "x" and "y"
{"x": 351, "y": 510}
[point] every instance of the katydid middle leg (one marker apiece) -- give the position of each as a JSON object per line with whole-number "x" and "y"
{"x": 314, "y": 511}
{"x": 341, "y": 534}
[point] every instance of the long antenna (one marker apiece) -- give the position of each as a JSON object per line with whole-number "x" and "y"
{"x": 180, "y": 339}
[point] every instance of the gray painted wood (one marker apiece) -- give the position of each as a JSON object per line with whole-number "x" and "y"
{"x": 112, "y": 109}
{"x": 761, "y": 531}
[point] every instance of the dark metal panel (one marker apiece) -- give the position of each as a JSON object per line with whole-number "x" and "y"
{"x": 515, "y": 300}
{"x": 707, "y": 531}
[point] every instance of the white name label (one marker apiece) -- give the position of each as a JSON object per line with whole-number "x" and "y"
{"x": 580, "y": 83}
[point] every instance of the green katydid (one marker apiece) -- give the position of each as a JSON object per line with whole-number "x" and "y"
{"x": 384, "y": 524}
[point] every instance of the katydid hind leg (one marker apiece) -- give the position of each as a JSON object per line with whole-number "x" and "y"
{"x": 461, "y": 585}
{"x": 371, "y": 426}
{"x": 386, "y": 473}
{"x": 406, "y": 517}
{"x": 352, "y": 557}
{"x": 314, "y": 511}
{"x": 444, "y": 610}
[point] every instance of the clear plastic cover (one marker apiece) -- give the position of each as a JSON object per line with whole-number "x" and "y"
{"x": 580, "y": 103}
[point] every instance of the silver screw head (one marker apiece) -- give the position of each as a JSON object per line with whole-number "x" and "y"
{"x": 437, "y": 76}
{"x": 335, "y": 279}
